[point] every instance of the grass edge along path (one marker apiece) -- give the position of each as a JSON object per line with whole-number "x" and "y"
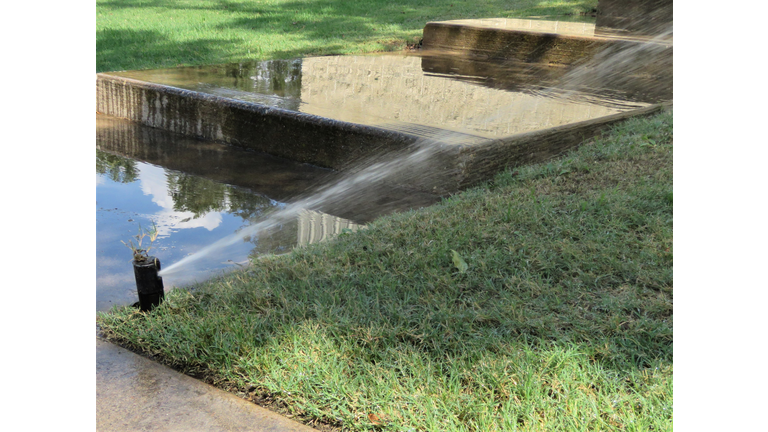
{"x": 562, "y": 319}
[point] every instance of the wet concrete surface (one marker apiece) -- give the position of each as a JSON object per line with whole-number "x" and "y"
{"x": 137, "y": 394}
{"x": 340, "y": 112}
{"x": 394, "y": 92}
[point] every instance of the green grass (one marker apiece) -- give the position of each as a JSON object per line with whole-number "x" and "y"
{"x": 145, "y": 34}
{"x": 562, "y": 321}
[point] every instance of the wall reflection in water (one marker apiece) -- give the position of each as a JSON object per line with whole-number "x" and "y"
{"x": 138, "y": 183}
{"x": 396, "y": 91}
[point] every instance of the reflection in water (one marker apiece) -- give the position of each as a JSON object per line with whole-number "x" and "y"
{"x": 271, "y": 82}
{"x": 190, "y": 212}
{"x": 274, "y": 177}
{"x": 279, "y": 179}
{"x": 400, "y": 91}
{"x": 116, "y": 168}
{"x": 198, "y": 192}
{"x": 315, "y": 226}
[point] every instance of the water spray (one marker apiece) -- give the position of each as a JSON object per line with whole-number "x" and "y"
{"x": 375, "y": 171}
{"x": 413, "y": 162}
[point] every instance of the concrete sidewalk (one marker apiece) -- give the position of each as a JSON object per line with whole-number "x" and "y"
{"x": 137, "y": 394}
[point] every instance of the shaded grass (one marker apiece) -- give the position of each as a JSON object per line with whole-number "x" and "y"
{"x": 563, "y": 320}
{"x": 145, "y": 34}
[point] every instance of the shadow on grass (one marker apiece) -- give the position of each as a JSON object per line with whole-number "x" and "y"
{"x": 322, "y": 27}
{"x": 136, "y": 49}
{"x": 565, "y": 308}
{"x": 586, "y": 264}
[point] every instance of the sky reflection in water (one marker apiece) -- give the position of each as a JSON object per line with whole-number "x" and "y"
{"x": 190, "y": 213}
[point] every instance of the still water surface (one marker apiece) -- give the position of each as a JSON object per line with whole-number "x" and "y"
{"x": 196, "y": 193}
{"x": 189, "y": 212}
{"x": 432, "y": 91}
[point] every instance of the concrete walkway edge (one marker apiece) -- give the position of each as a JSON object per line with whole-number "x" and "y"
{"x": 136, "y": 394}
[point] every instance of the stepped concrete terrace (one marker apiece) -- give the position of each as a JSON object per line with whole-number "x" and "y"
{"x": 489, "y": 94}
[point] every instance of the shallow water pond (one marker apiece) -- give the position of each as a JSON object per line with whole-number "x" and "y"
{"x": 189, "y": 212}
{"x": 423, "y": 94}
{"x": 195, "y": 193}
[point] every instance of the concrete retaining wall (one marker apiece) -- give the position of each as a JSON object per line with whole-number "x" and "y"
{"x": 481, "y": 163}
{"x": 645, "y": 17}
{"x": 503, "y": 43}
{"x": 301, "y": 137}
{"x": 338, "y": 145}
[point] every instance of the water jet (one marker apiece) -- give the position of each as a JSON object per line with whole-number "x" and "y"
{"x": 482, "y": 96}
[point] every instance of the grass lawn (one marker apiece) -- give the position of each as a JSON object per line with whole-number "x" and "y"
{"x": 145, "y": 34}
{"x": 562, "y": 319}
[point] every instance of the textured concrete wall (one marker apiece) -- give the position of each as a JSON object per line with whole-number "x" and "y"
{"x": 482, "y": 163}
{"x": 297, "y": 136}
{"x": 538, "y": 43}
{"x": 502, "y": 43}
{"x": 646, "y": 17}
{"x": 304, "y": 137}
{"x": 638, "y": 67}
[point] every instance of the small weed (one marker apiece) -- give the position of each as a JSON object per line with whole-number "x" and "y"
{"x": 141, "y": 254}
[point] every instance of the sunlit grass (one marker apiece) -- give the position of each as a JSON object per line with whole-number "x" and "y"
{"x": 562, "y": 320}
{"x": 143, "y": 34}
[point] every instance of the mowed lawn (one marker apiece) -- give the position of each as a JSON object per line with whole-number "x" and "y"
{"x": 561, "y": 320}
{"x": 145, "y": 34}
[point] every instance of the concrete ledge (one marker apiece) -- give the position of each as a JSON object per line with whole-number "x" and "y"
{"x": 635, "y": 16}
{"x": 501, "y": 42}
{"x": 641, "y": 83}
{"x": 297, "y": 136}
{"x": 507, "y": 39}
{"x": 481, "y": 163}
{"x": 637, "y": 66}
{"x": 455, "y": 165}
